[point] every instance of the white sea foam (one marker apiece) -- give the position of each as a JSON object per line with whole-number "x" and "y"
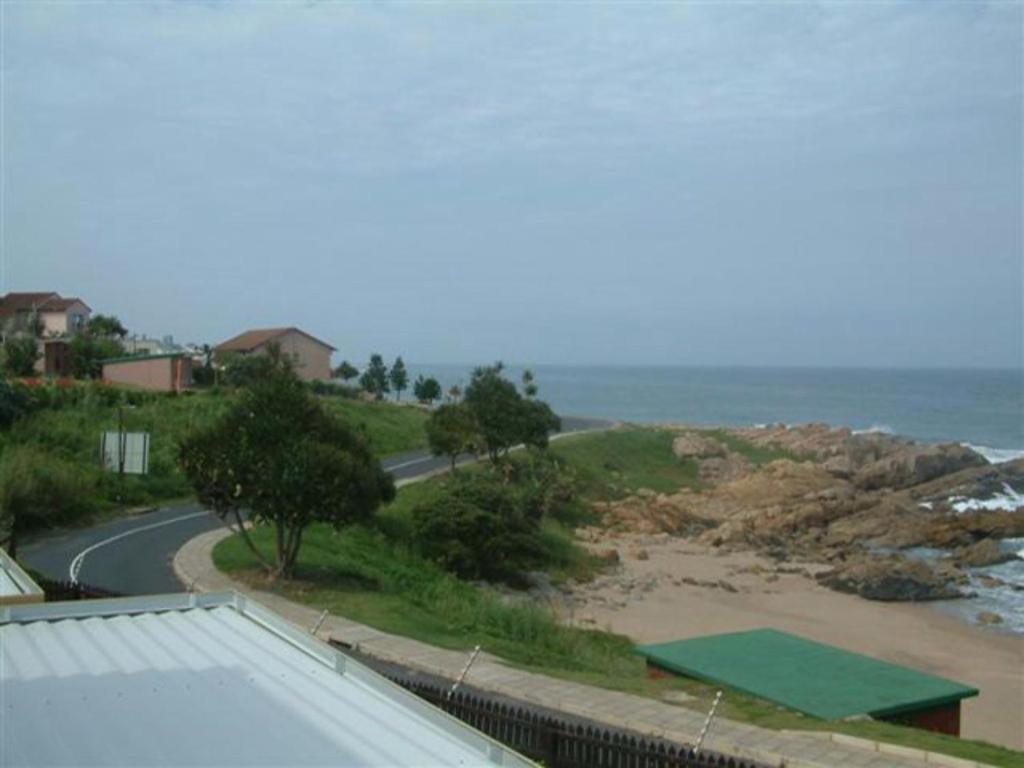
{"x": 1008, "y": 499}
{"x": 996, "y": 455}
{"x": 875, "y": 429}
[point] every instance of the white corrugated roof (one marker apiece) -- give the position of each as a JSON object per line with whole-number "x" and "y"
{"x": 15, "y": 584}
{"x": 207, "y": 680}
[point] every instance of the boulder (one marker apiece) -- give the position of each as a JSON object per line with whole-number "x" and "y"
{"x": 889, "y": 579}
{"x": 981, "y": 554}
{"x": 694, "y": 446}
{"x": 912, "y": 464}
{"x": 988, "y": 617}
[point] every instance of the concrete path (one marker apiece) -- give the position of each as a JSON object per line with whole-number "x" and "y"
{"x": 193, "y": 565}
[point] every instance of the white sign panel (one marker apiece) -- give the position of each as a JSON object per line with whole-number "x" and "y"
{"x": 132, "y": 447}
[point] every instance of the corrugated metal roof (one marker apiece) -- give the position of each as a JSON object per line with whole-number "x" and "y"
{"x": 16, "y": 586}
{"x": 153, "y": 681}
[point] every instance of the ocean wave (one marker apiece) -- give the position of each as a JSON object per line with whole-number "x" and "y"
{"x": 876, "y": 429}
{"x": 996, "y": 455}
{"x": 1008, "y": 499}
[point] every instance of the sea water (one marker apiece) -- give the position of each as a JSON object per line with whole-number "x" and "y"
{"x": 983, "y": 409}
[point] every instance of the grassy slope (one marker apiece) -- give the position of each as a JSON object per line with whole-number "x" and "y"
{"x": 372, "y": 576}
{"x": 73, "y": 434}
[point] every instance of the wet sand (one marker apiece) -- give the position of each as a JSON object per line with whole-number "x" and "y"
{"x": 649, "y": 600}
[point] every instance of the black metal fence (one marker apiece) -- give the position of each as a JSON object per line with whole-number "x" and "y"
{"x": 56, "y": 590}
{"x": 563, "y": 742}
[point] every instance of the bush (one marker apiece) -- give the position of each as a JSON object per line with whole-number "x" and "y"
{"x": 480, "y": 527}
{"x": 38, "y": 489}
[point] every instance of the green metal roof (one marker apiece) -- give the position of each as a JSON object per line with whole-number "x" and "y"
{"x": 813, "y": 678}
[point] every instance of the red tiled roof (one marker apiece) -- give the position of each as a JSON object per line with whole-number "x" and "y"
{"x": 49, "y": 301}
{"x": 250, "y": 340}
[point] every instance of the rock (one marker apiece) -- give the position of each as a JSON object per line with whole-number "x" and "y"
{"x": 642, "y": 554}
{"x": 676, "y": 697}
{"x": 889, "y": 579}
{"x": 693, "y": 446}
{"x": 983, "y": 553}
{"x": 988, "y": 617}
{"x": 608, "y": 555}
{"x": 727, "y": 586}
{"x": 913, "y": 464}
{"x": 990, "y": 582}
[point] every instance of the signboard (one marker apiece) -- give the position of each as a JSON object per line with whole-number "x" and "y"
{"x": 125, "y": 452}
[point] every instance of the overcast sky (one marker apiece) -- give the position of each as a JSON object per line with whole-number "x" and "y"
{"x": 713, "y": 183}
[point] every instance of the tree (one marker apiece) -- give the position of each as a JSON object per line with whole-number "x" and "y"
{"x": 504, "y": 417}
{"x": 88, "y": 353}
{"x": 106, "y": 326}
{"x": 346, "y": 371}
{"x": 20, "y": 355}
{"x": 529, "y": 386}
{"x": 452, "y": 431}
{"x": 375, "y": 378}
{"x": 245, "y": 370}
{"x": 426, "y": 390}
{"x": 280, "y": 455}
{"x": 398, "y": 377}
{"x": 454, "y": 393}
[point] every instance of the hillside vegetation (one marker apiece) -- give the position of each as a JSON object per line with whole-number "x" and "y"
{"x": 65, "y": 430}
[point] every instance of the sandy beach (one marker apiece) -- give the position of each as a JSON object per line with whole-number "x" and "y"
{"x": 652, "y": 597}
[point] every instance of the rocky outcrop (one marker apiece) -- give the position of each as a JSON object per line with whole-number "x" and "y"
{"x": 890, "y": 579}
{"x": 981, "y": 554}
{"x": 916, "y": 464}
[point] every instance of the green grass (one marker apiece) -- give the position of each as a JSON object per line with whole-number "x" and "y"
{"x": 72, "y": 433}
{"x": 614, "y": 463}
{"x": 365, "y": 575}
{"x": 392, "y": 428}
{"x": 755, "y": 454}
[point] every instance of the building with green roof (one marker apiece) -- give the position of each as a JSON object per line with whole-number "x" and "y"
{"x": 813, "y": 678}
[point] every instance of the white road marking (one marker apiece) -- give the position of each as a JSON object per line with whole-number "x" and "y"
{"x": 76, "y": 563}
{"x": 410, "y": 463}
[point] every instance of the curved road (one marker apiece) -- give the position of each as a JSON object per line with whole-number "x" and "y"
{"x": 133, "y": 555}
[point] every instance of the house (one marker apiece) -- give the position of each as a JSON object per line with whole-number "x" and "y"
{"x": 210, "y": 679}
{"x": 312, "y": 357}
{"x": 52, "y": 318}
{"x": 56, "y": 315}
{"x": 171, "y": 372}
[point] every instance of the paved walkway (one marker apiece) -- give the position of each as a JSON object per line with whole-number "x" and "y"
{"x": 194, "y": 566}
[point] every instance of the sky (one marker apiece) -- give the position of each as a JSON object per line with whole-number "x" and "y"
{"x": 715, "y": 183}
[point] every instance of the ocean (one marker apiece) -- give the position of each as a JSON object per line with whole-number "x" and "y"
{"x": 980, "y": 408}
{"x": 984, "y": 408}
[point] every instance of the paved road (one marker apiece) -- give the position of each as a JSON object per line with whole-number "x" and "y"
{"x": 133, "y": 555}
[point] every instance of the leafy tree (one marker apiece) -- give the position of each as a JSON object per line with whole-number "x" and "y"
{"x": 205, "y": 375}
{"x": 245, "y": 370}
{"x": 346, "y": 371}
{"x": 20, "y": 355}
{"x": 452, "y": 431}
{"x": 375, "y": 378}
{"x": 454, "y": 393}
{"x": 479, "y": 528}
{"x": 88, "y": 353}
{"x": 426, "y": 390}
{"x": 106, "y": 326}
{"x": 398, "y": 377}
{"x": 529, "y": 386}
{"x": 504, "y": 417}
{"x": 280, "y": 455}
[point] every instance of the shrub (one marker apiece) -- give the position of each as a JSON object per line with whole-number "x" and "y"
{"x": 479, "y": 527}
{"x": 38, "y": 489}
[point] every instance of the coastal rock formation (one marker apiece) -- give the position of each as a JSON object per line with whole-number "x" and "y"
{"x": 890, "y": 579}
{"x": 849, "y": 501}
{"x": 916, "y": 464}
